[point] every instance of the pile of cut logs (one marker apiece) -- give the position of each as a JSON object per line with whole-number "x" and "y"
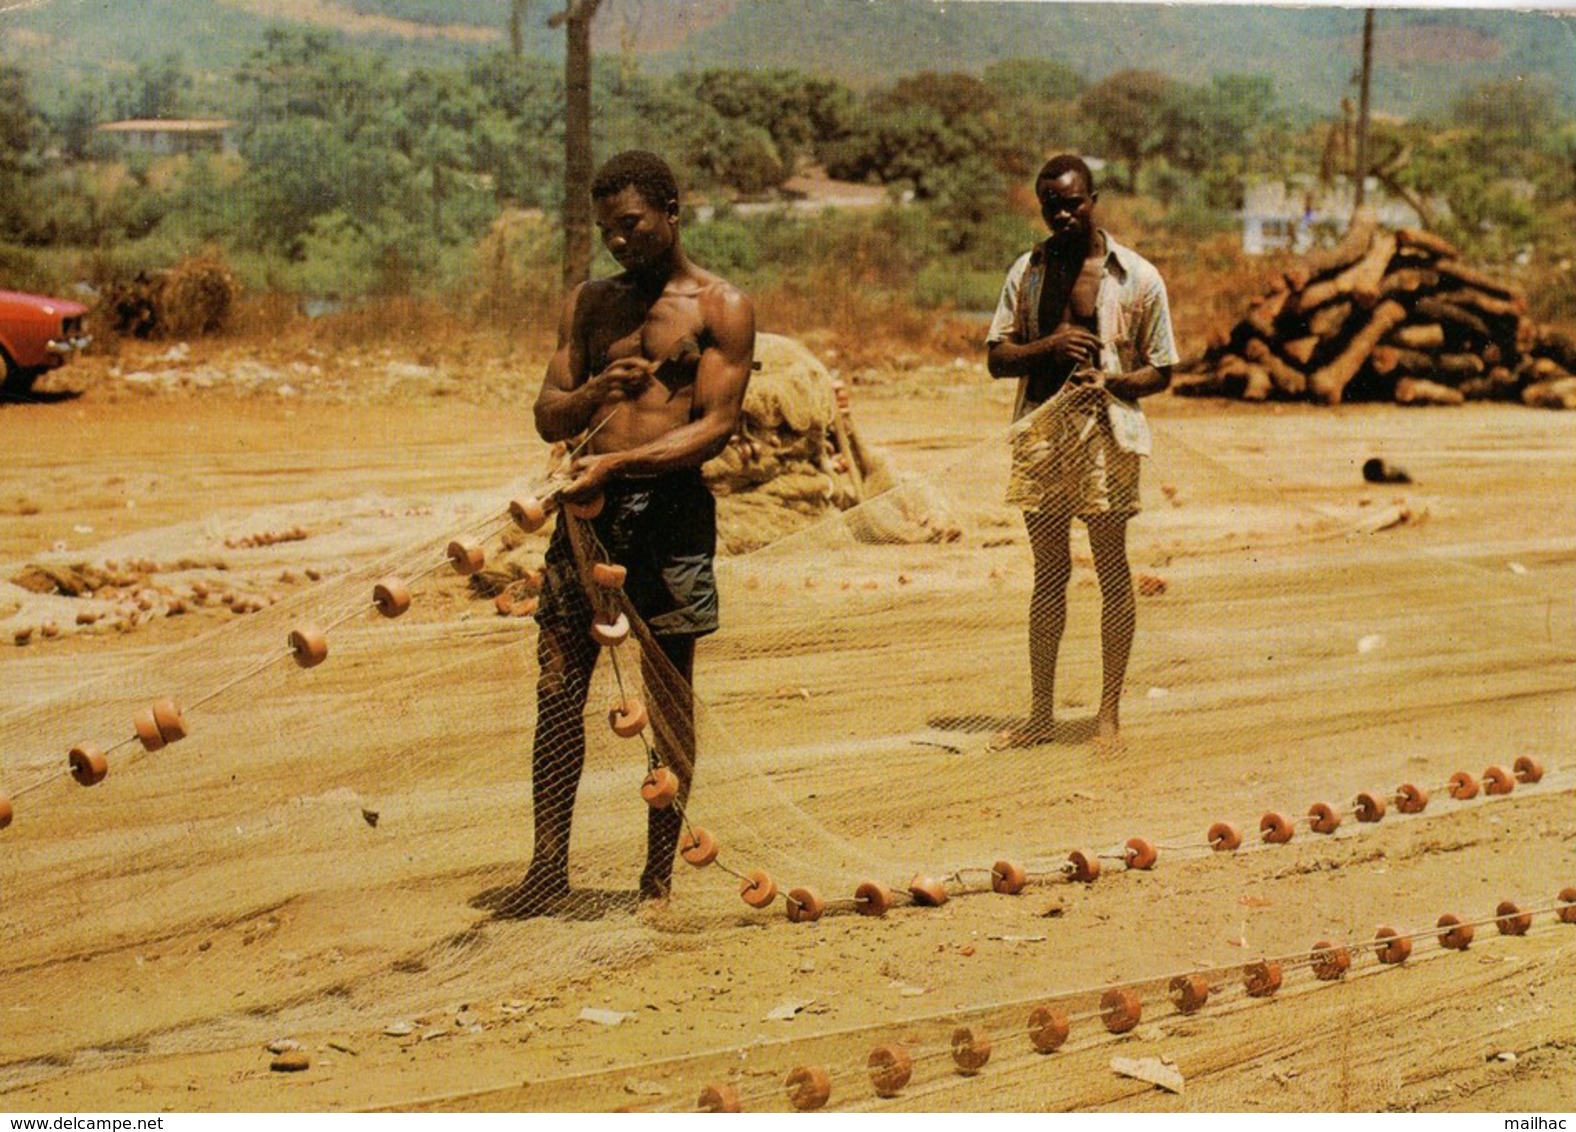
{"x": 1388, "y": 315}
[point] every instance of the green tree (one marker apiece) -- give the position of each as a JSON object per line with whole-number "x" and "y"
{"x": 1127, "y": 112}
{"x": 1034, "y": 81}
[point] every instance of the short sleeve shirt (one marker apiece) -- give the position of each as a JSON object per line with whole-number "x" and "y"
{"x": 1133, "y": 314}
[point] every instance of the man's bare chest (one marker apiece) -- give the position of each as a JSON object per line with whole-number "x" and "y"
{"x": 625, "y": 327}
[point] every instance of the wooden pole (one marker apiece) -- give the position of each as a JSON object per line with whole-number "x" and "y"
{"x": 1362, "y": 105}
{"x": 577, "y": 141}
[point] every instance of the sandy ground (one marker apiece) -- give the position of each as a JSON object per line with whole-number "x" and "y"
{"x": 131, "y": 466}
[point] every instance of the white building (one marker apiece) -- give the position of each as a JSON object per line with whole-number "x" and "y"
{"x": 163, "y": 137}
{"x": 1282, "y": 216}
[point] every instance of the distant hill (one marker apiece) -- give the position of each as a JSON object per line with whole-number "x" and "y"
{"x": 1423, "y": 56}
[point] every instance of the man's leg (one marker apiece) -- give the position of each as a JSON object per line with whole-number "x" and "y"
{"x": 1048, "y": 538}
{"x": 558, "y": 754}
{"x": 1118, "y": 615}
{"x": 671, "y": 702}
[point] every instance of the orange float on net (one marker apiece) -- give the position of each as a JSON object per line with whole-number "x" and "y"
{"x": 718, "y": 1098}
{"x": 171, "y": 724}
{"x": 1567, "y": 910}
{"x": 529, "y": 514}
{"x": 1510, "y": 919}
{"x": 309, "y": 645}
{"x": 1008, "y": 878}
{"x": 1411, "y": 799}
{"x": 88, "y": 763}
{"x": 1085, "y": 866}
{"x": 391, "y": 596}
{"x": 627, "y": 718}
{"x": 608, "y": 575}
{"x": 610, "y": 633}
{"x": 872, "y": 898}
{"x": 6, "y": 812}
{"x": 1528, "y": 769}
{"x": 809, "y": 1087}
{"x": 1120, "y": 1009}
{"x": 1322, "y": 818}
{"x": 588, "y": 510}
{"x": 466, "y": 556}
{"x": 1453, "y": 934}
{"x": 698, "y": 847}
{"x": 1463, "y": 786}
{"x": 504, "y": 604}
{"x": 1140, "y": 853}
{"x": 890, "y": 1069}
{"x": 804, "y": 905}
{"x": 1261, "y": 979}
{"x": 1330, "y": 960}
{"x": 970, "y": 1049}
{"x": 1189, "y": 993}
{"x": 1048, "y": 1028}
{"x": 1497, "y": 780}
{"x": 147, "y": 730}
{"x": 659, "y": 788}
{"x": 927, "y": 891}
{"x": 758, "y": 889}
{"x": 1370, "y": 807}
{"x": 1224, "y": 837}
{"x": 1275, "y": 828}
{"x": 524, "y": 607}
{"x": 1391, "y": 946}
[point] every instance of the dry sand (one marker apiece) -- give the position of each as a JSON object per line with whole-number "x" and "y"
{"x": 126, "y": 467}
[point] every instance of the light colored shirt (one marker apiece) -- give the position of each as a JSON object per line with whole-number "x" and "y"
{"x": 1131, "y": 311}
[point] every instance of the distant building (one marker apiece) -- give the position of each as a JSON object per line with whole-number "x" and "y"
{"x": 162, "y": 137}
{"x": 1282, "y": 216}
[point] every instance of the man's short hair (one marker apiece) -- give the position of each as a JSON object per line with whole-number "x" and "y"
{"x": 1062, "y": 164}
{"x": 647, "y": 172}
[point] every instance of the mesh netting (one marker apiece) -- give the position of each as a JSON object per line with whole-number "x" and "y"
{"x": 341, "y": 845}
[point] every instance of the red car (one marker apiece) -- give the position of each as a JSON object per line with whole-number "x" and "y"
{"x": 36, "y": 334}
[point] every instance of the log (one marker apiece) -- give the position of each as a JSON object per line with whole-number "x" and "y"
{"x": 1412, "y": 361}
{"x": 1362, "y": 279}
{"x": 1328, "y": 383}
{"x": 1483, "y": 303}
{"x": 1461, "y": 273}
{"x": 1457, "y": 367}
{"x": 1287, "y": 378}
{"x": 1359, "y": 234}
{"x": 1384, "y": 360}
{"x": 1259, "y": 386}
{"x": 1326, "y": 322}
{"x": 1300, "y": 350}
{"x": 1265, "y": 311}
{"x": 1557, "y": 394}
{"x": 1408, "y": 280}
{"x": 1419, "y": 336}
{"x": 1557, "y": 343}
{"x": 1419, "y": 391}
{"x": 1441, "y": 311}
{"x": 1426, "y": 241}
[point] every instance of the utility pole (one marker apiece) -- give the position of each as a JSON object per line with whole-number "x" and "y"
{"x": 576, "y": 20}
{"x": 1361, "y": 172}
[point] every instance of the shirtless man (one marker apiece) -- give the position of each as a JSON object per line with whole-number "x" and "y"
{"x": 1082, "y": 320}
{"x": 653, "y": 363}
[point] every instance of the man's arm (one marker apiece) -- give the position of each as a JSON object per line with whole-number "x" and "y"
{"x": 1066, "y": 346}
{"x": 721, "y": 377}
{"x": 569, "y": 398}
{"x": 1154, "y": 343}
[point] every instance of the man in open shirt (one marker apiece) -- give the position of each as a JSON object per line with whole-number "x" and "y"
{"x": 1084, "y": 326}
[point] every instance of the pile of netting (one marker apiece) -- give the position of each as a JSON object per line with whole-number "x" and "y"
{"x": 312, "y": 817}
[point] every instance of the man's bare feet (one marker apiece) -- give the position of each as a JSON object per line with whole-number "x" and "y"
{"x": 1107, "y": 732}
